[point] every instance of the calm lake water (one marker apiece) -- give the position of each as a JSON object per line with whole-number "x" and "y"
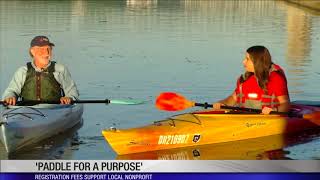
{"x": 120, "y": 49}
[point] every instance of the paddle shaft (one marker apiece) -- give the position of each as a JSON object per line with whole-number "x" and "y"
{"x": 106, "y": 101}
{"x": 206, "y": 105}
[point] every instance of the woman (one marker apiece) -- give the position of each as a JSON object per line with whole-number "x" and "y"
{"x": 262, "y": 86}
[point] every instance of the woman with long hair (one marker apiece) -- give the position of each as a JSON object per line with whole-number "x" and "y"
{"x": 262, "y": 86}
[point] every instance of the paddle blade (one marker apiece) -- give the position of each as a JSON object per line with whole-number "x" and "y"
{"x": 126, "y": 102}
{"x": 170, "y": 101}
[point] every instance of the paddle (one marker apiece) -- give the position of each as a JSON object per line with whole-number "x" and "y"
{"x": 170, "y": 101}
{"x": 106, "y": 101}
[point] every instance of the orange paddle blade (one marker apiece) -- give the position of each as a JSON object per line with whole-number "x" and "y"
{"x": 170, "y": 101}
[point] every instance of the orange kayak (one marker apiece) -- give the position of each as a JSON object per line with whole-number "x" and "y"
{"x": 268, "y": 147}
{"x": 209, "y": 127}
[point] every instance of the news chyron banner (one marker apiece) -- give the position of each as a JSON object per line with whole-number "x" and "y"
{"x": 160, "y": 169}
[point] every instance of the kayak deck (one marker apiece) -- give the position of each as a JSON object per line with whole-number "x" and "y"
{"x": 206, "y": 127}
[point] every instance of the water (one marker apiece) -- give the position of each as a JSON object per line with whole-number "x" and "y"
{"x": 120, "y": 49}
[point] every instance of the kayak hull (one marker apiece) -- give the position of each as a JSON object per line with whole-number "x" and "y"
{"x": 268, "y": 147}
{"x": 200, "y": 128}
{"x": 22, "y": 126}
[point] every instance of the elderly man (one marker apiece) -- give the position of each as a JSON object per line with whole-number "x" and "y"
{"x": 41, "y": 79}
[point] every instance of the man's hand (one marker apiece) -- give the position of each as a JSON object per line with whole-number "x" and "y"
{"x": 65, "y": 100}
{"x": 10, "y": 101}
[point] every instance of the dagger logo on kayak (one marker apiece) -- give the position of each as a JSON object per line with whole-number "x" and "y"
{"x": 196, "y": 138}
{"x": 196, "y": 153}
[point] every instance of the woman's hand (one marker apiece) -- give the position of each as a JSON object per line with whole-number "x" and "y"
{"x": 266, "y": 110}
{"x": 218, "y": 105}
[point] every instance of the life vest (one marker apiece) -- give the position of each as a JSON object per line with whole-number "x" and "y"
{"x": 41, "y": 85}
{"x": 251, "y": 95}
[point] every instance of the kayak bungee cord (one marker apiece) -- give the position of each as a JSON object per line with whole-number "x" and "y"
{"x": 12, "y": 112}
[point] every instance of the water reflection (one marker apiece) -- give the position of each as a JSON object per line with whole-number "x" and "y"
{"x": 141, "y": 3}
{"x": 299, "y": 28}
{"x": 299, "y": 37}
{"x": 270, "y": 147}
{"x": 78, "y": 8}
{"x": 299, "y": 44}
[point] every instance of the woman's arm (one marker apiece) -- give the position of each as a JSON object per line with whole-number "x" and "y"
{"x": 283, "y": 107}
{"x": 230, "y": 101}
{"x": 284, "y": 103}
